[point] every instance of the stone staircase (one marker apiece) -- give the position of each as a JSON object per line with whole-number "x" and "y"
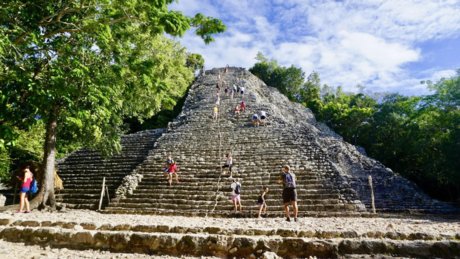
{"x": 199, "y": 145}
{"x": 332, "y": 174}
{"x": 83, "y": 171}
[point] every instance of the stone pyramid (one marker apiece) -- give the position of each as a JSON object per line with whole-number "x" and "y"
{"x": 332, "y": 174}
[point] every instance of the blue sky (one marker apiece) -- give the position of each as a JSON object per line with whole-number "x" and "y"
{"x": 388, "y": 45}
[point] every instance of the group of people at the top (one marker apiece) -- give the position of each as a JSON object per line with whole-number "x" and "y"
{"x": 257, "y": 119}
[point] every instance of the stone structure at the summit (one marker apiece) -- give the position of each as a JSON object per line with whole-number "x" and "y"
{"x": 332, "y": 174}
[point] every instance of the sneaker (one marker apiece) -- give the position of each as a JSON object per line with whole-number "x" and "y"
{"x": 18, "y": 211}
{"x": 170, "y": 185}
{"x": 260, "y": 218}
{"x": 288, "y": 219}
{"x": 230, "y": 177}
{"x": 27, "y": 211}
{"x": 177, "y": 181}
{"x": 295, "y": 220}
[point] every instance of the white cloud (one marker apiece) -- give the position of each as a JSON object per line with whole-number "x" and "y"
{"x": 369, "y": 42}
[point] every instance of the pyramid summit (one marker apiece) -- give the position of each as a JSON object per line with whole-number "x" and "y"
{"x": 332, "y": 175}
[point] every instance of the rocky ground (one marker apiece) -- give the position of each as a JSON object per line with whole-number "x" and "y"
{"x": 433, "y": 225}
{"x": 19, "y": 250}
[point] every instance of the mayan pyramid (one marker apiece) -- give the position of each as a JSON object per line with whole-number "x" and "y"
{"x": 332, "y": 174}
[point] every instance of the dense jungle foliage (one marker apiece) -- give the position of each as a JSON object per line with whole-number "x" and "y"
{"x": 416, "y": 136}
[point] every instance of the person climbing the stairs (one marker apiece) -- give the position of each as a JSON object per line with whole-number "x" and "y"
{"x": 226, "y": 90}
{"x": 289, "y": 192}
{"x": 236, "y": 191}
{"x": 243, "y": 107}
{"x": 262, "y": 203}
{"x": 228, "y": 164}
{"x": 255, "y": 119}
{"x": 231, "y": 93}
{"x": 237, "y": 110}
{"x": 169, "y": 162}
{"x": 214, "y": 113}
{"x": 172, "y": 171}
{"x": 218, "y": 101}
{"x": 262, "y": 117}
{"x": 242, "y": 91}
{"x": 218, "y": 87}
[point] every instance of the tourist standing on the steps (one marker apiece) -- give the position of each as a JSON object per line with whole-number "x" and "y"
{"x": 169, "y": 162}
{"x": 172, "y": 171}
{"x": 255, "y": 119}
{"x": 231, "y": 93}
{"x": 235, "y": 89}
{"x": 242, "y": 91}
{"x": 214, "y": 113}
{"x": 261, "y": 201}
{"x": 289, "y": 192}
{"x": 262, "y": 117}
{"x": 228, "y": 164}
{"x": 218, "y": 101}
{"x": 237, "y": 110}
{"x": 25, "y": 189}
{"x": 217, "y": 87}
{"x": 243, "y": 107}
{"x": 226, "y": 90}
{"x": 236, "y": 191}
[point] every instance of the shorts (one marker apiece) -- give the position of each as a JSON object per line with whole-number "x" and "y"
{"x": 289, "y": 195}
{"x": 228, "y": 166}
{"x": 166, "y": 170}
{"x": 255, "y": 120}
{"x": 226, "y": 90}
{"x": 24, "y": 190}
{"x": 261, "y": 202}
{"x": 214, "y": 113}
{"x": 236, "y": 197}
{"x": 262, "y": 117}
{"x": 242, "y": 92}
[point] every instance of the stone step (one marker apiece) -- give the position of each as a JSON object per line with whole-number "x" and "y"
{"x": 234, "y": 245}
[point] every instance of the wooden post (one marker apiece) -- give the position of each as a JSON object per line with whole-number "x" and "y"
{"x": 107, "y": 192}
{"x": 372, "y": 194}
{"x": 102, "y": 193}
{"x": 15, "y": 191}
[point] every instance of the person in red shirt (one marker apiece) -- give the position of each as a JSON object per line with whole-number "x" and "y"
{"x": 25, "y": 188}
{"x": 243, "y": 106}
{"x": 172, "y": 171}
{"x": 237, "y": 110}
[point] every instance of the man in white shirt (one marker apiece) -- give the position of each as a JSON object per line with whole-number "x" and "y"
{"x": 262, "y": 117}
{"x": 236, "y": 190}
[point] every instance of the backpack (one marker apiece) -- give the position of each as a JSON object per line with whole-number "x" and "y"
{"x": 34, "y": 186}
{"x": 289, "y": 180}
{"x": 238, "y": 189}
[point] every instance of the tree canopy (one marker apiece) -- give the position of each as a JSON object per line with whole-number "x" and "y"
{"x": 81, "y": 67}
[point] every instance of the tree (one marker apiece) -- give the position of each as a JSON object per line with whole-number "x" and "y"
{"x": 80, "y": 67}
{"x": 194, "y": 61}
{"x": 287, "y": 80}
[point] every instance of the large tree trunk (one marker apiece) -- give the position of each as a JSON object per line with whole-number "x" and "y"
{"x": 46, "y": 194}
